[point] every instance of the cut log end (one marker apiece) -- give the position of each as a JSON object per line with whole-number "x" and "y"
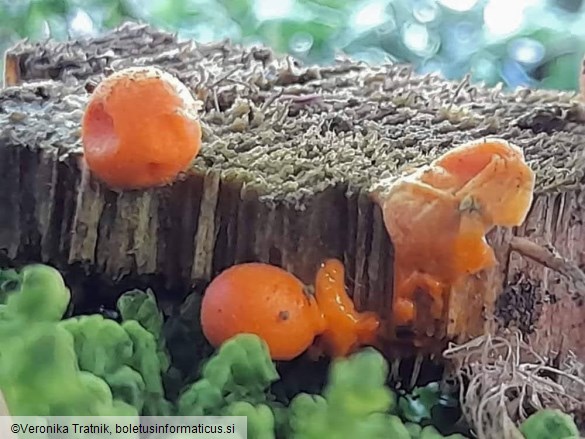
{"x": 284, "y": 175}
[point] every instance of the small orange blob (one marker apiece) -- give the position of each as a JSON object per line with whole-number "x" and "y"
{"x": 264, "y": 300}
{"x": 346, "y": 329}
{"x": 438, "y": 216}
{"x": 403, "y": 311}
{"x": 140, "y": 129}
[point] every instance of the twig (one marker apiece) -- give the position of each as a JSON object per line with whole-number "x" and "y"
{"x": 224, "y": 77}
{"x": 462, "y": 83}
{"x": 416, "y": 370}
{"x": 203, "y": 77}
{"x": 216, "y": 101}
{"x": 271, "y": 100}
{"x": 551, "y": 259}
{"x": 250, "y": 87}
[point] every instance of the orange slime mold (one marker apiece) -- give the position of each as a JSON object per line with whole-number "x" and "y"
{"x": 437, "y": 219}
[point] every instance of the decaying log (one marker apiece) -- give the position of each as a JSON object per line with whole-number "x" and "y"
{"x": 289, "y": 156}
{"x": 551, "y": 259}
{"x": 49, "y": 60}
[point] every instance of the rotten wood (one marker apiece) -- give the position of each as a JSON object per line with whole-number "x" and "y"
{"x": 550, "y": 258}
{"x": 283, "y": 180}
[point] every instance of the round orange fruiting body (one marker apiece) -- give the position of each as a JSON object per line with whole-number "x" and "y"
{"x": 140, "y": 129}
{"x": 264, "y": 300}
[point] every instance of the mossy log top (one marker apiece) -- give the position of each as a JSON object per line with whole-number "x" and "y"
{"x": 289, "y": 156}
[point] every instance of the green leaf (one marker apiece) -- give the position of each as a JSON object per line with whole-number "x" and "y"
{"x": 10, "y": 282}
{"x": 548, "y": 424}
{"x": 142, "y": 307}
{"x": 418, "y": 405}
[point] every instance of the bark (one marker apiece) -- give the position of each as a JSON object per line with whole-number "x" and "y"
{"x": 234, "y": 206}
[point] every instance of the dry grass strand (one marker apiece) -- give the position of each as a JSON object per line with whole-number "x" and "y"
{"x": 503, "y": 381}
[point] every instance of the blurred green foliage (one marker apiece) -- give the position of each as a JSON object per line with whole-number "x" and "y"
{"x": 535, "y": 43}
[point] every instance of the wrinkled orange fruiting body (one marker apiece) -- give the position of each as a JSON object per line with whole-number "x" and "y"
{"x": 265, "y": 300}
{"x": 140, "y": 129}
{"x": 346, "y": 329}
{"x": 438, "y": 217}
